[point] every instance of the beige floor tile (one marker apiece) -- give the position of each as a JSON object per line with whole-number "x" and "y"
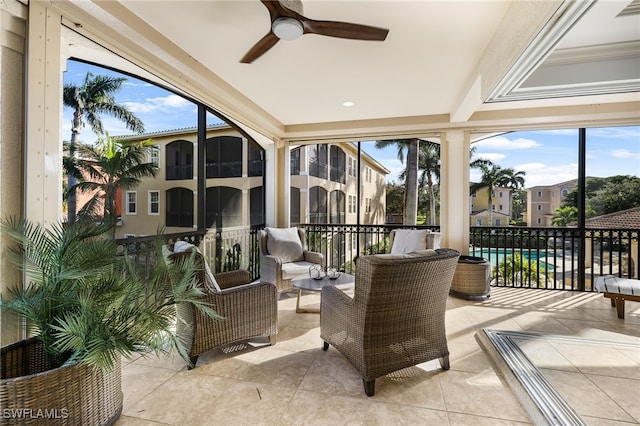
{"x": 296, "y": 382}
{"x": 333, "y": 375}
{"x": 625, "y": 392}
{"x": 138, "y": 381}
{"x": 468, "y": 357}
{"x": 275, "y": 367}
{"x": 457, "y": 419}
{"x": 480, "y": 394}
{"x": 585, "y": 397}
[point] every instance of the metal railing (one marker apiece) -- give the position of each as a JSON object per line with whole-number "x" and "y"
{"x": 545, "y": 258}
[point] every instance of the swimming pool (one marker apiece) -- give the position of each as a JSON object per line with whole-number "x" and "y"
{"x": 495, "y": 256}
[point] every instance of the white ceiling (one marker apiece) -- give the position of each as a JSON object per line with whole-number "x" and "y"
{"x": 440, "y": 59}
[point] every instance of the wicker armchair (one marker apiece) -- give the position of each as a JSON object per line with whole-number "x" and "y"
{"x": 396, "y": 316}
{"x": 249, "y": 309}
{"x": 278, "y": 270}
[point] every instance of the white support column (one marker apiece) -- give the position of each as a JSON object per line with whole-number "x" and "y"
{"x": 13, "y": 33}
{"x": 454, "y": 195}
{"x": 270, "y": 189}
{"x": 284, "y": 185}
{"x": 43, "y": 155}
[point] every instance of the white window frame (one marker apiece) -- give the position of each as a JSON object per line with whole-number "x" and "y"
{"x": 128, "y": 203}
{"x": 154, "y": 157}
{"x": 150, "y": 202}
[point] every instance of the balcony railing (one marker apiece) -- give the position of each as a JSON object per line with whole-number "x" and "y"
{"x": 545, "y": 258}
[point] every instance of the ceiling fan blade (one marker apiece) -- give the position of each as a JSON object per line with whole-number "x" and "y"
{"x": 258, "y": 49}
{"x": 344, "y": 30}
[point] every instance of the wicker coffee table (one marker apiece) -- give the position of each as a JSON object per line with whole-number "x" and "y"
{"x": 304, "y": 282}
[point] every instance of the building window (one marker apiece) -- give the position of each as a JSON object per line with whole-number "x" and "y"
{"x": 498, "y": 222}
{"x": 295, "y": 161}
{"x": 336, "y": 206}
{"x": 132, "y": 202}
{"x": 224, "y": 157}
{"x": 539, "y": 221}
{"x": 154, "y": 202}
{"x": 256, "y": 159}
{"x": 564, "y": 192}
{"x": 539, "y": 206}
{"x": 294, "y": 203}
{"x": 179, "y": 207}
{"x": 317, "y": 205}
{"x": 500, "y": 207}
{"x": 367, "y": 174}
{"x": 224, "y": 207}
{"x": 352, "y": 204}
{"x": 539, "y": 194}
{"x": 179, "y": 160}
{"x": 337, "y": 164}
{"x": 353, "y": 167}
{"x": 478, "y": 222}
{"x": 318, "y": 159}
{"x": 367, "y": 205}
{"x": 155, "y": 157}
{"x": 501, "y": 195}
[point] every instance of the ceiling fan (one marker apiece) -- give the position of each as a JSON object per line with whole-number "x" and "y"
{"x": 288, "y": 23}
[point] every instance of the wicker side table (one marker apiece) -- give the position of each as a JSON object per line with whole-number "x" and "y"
{"x": 471, "y": 279}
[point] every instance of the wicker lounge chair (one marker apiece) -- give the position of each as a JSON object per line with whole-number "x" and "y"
{"x": 284, "y": 255}
{"x": 249, "y": 309}
{"x": 396, "y": 316}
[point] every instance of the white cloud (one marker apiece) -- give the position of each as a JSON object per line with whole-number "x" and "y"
{"x": 625, "y": 153}
{"x": 632, "y": 133}
{"x": 502, "y": 142}
{"x": 494, "y": 157}
{"x": 162, "y": 103}
{"x": 542, "y": 174}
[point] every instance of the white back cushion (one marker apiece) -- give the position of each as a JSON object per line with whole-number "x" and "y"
{"x": 284, "y": 243}
{"x": 408, "y": 240}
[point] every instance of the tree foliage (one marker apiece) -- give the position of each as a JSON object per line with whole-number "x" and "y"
{"x": 607, "y": 195}
{"x": 89, "y": 101}
{"x": 107, "y": 166}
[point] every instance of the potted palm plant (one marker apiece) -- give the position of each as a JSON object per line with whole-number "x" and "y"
{"x": 85, "y": 307}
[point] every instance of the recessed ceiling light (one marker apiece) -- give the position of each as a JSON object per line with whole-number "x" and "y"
{"x": 348, "y": 104}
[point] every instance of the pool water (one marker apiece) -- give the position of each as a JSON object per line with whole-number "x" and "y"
{"x": 495, "y": 256}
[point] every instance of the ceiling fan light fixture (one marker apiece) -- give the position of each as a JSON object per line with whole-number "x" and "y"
{"x": 287, "y": 28}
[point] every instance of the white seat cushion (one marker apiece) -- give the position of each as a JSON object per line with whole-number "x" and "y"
{"x": 294, "y": 269}
{"x": 613, "y": 284}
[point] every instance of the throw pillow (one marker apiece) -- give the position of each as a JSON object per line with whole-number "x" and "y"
{"x": 408, "y": 240}
{"x": 285, "y": 244}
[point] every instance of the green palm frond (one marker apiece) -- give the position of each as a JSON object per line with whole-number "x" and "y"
{"x": 89, "y": 305}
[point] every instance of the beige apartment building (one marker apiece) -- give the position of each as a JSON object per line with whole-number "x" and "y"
{"x": 323, "y": 179}
{"x": 543, "y": 201}
{"x": 480, "y": 214}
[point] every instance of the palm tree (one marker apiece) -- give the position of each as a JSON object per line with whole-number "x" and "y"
{"x": 94, "y": 97}
{"x": 516, "y": 270}
{"x": 564, "y": 216}
{"x": 411, "y": 146}
{"x": 495, "y": 176}
{"x": 110, "y": 165}
{"x": 429, "y": 168}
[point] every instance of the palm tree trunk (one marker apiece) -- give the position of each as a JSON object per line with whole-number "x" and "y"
{"x": 71, "y": 180}
{"x": 411, "y": 184}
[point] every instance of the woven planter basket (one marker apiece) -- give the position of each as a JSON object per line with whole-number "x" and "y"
{"x": 71, "y": 395}
{"x": 472, "y": 278}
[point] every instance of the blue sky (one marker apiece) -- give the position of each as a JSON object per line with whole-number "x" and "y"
{"x": 547, "y": 157}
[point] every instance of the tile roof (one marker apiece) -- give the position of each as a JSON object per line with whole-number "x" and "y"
{"x": 623, "y": 219}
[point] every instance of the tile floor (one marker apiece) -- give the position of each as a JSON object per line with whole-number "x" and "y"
{"x": 295, "y": 382}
